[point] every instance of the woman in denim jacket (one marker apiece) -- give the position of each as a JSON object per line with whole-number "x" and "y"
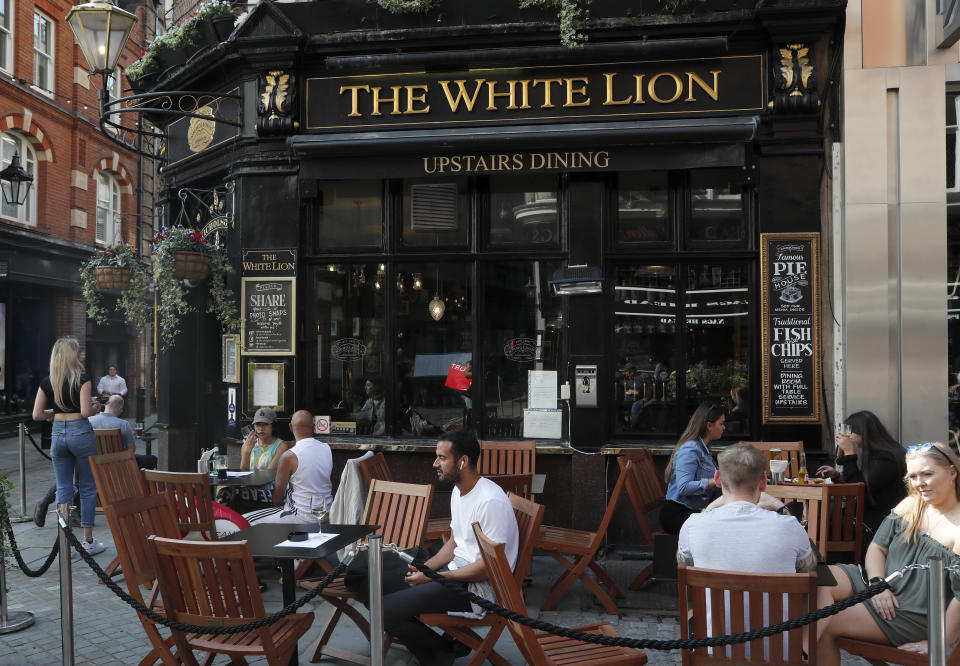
{"x": 690, "y": 471}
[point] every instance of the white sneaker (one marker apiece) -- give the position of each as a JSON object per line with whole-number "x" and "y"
{"x": 93, "y": 547}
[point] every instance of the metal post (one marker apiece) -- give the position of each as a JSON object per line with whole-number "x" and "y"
{"x": 936, "y": 638}
{"x": 374, "y": 545}
{"x": 23, "y": 470}
{"x": 66, "y": 587}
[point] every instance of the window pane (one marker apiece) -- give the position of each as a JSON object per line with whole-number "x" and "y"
{"x": 643, "y": 208}
{"x": 952, "y": 109}
{"x": 426, "y": 346}
{"x": 435, "y": 213}
{"x": 346, "y": 357}
{"x": 523, "y": 211}
{"x": 101, "y": 224}
{"x": 645, "y": 326}
{"x": 951, "y": 159}
{"x": 350, "y": 214}
{"x": 718, "y": 306}
{"x": 716, "y": 207}
{"x": 524, "y": 333}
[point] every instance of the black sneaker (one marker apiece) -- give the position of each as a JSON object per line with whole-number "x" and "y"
{"x": 40, "y": 514}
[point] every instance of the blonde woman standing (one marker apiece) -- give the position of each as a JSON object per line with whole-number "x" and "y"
{"x": 66, "y": 398}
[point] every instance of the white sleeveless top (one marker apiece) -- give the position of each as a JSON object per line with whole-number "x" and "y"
{"x": 312, "y": 478}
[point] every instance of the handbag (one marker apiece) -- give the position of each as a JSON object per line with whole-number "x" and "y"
{"x": 356, "y": 577}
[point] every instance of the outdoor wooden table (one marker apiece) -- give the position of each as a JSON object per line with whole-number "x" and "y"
{"x": 815, "y": 500}
{"x": 264, "y": 537}
{"x": 258, "y": 477}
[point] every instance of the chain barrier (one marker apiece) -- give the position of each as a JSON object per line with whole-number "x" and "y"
{"x": 655, "y": 644}
{"x": 39, "y": 450}
{"x": 192, "y": 628}
{"x": 12, "y": 540}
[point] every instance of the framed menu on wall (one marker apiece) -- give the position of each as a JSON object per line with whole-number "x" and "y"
{"x": 268, "y": 316}
{"x": 790, "y": 327}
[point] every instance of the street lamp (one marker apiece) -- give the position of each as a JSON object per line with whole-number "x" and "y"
{"x": 15, "y": 182}
{"x": 102, "y": 30}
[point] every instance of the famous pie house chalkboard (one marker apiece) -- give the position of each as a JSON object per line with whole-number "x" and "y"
{"x": 790, "y": 327}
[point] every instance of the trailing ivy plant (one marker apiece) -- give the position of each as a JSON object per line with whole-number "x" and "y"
{"x": 408, "y": 6}
{"x": 223, "y": 300}
{"x": 133, "y": 299}
{"x": 571, "y": 14}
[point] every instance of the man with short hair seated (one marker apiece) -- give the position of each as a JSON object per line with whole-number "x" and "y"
{"x": 303, "y": 477}
{"x": 110, "y": 418}
{"x": 474, "y": 499}
{"x": 714, "y": 539}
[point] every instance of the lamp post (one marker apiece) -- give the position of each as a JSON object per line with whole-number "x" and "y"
{"x": 102, "y": 30}
{"x": 15, "y": 182}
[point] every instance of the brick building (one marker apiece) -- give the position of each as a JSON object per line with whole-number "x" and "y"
{"x": 85, "y": 195}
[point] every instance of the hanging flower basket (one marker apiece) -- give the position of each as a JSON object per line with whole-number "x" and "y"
{"x": 191, "y": 265}
{"x": 112, "y": 278}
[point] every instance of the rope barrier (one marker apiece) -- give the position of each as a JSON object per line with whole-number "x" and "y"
{"x": 12, "y": 540}
{"x": 30, "y": 437}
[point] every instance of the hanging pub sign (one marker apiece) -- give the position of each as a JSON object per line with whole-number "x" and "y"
{"x": 790, "y": 327}
{"x": 268, "y": 317}
{"x": 273, "y": 262}
{"x": 596, "y": 91}
{"x": 217, "y": 120}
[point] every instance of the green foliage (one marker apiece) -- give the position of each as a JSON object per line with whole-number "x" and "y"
{"x": 6, "y": 485}
{"x": 216, "y": 8}
{"x": 677, "y": 5}
{"x": 223, "y": 301}
{"x": 408, "y": 6}
{"x": 133, "y": 299}
{"x": 171, "y": 299}
{"x": 571, "y": 14}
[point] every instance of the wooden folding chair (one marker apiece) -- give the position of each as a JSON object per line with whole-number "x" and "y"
{"x": 193, "y": 496}
{"x": 117, "y": 478}
{"x": 816, "y": 516}
{"x": 582, "y": 546}
{"x": 508, "y": 458}
{"x": 529, "y": 515}
{"x": 215, "y": 584}
{"x": 730, "y": 602}
{"x": 401, "y": 510}
{"x": 646, "y": 492}
{"x": 109, "y": 440}
{"x": 792, "y": 449}
{"x": 518, "y": 484}
{"x": 845, "y": 522}
{"x": 540, "y": 649}
{"x": 375, "y": 467}
{"x": 131, "y": 521}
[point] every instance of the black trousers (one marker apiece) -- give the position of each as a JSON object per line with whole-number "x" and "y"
{"x": 673, "y": 515}
{"x": 400, "y": 611}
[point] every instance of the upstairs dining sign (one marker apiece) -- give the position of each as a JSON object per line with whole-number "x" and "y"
{"x": 790, "y": 327}
{"x": 614, "y": 91}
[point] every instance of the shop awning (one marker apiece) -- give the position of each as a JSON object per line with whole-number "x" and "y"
{"x": 694, "y": 142}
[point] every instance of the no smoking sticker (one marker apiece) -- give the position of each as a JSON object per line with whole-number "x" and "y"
{"x": 321, "y": 425}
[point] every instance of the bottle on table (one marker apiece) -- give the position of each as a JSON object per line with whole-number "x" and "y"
{"x": 802, "y": 472}
{"x": 255, "y": 455}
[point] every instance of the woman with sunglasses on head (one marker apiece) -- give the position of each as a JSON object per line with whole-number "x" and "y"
{"x": 871, "y": 455}
{"x": 690, "y": 470}
{"x": 926, "y": 524}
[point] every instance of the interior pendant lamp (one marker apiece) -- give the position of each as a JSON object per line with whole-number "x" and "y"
{"x": 102, "y": 30}
{"x": 15, "y": 182}
{"x": 436, "y": 307}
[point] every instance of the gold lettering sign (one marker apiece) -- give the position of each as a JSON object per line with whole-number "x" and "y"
{"x": 201, "y": 131}
{"x": 499, "y": 162}
{"x": 554, "y": 92}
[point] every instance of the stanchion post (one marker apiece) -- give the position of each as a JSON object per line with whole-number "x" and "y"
{"x": 66, "y": 586}
{"x": 936, "y": 638}
{"x": 374, "y": 545}
{"x": 23, "y": 469}
{"x": 17, "y": 620}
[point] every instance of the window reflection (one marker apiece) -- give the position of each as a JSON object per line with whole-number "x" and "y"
{"x": 349, "y": 214}
{"x": 643, "y": 211}
{"x": 645, "y": 320}
{"x": 716, "y": 207}
{"x": 524, "y": 333}
{"x": 523, "y": 211}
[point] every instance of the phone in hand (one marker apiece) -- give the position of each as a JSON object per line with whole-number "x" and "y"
{"x": 246, "y": 430}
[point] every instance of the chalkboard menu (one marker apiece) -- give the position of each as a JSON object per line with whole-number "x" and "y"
{"x": 790, "y": 327}
{"x": 269, "y": 316}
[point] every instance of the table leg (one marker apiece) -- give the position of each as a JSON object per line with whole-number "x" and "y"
{"x": 289, "y": 596}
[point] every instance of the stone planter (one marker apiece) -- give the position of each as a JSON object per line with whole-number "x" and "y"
{"x": 191, "y": 265}
{"x": 144, "y": 83}
{"x": 112, "y": 278}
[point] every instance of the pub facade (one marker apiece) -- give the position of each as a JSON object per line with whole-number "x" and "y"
{"x": 450, "y": 220}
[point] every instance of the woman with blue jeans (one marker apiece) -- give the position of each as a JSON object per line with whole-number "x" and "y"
{"x": 66, "y": 398}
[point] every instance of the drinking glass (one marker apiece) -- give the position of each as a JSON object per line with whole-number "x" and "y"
{"x": 846, "y": 429}
{"x": 318, "y": 509}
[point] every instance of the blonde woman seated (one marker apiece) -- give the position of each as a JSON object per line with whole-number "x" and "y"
{"x": 925, "y": 524}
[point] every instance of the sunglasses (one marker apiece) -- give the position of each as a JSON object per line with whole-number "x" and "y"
{"x": 925, "y": 448}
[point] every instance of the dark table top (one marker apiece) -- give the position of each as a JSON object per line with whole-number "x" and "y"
{"x": 259, "y": 477}
{"x": 263, "y": 538}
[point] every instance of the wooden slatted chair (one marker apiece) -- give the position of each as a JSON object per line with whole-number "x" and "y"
{"x": 529, "y": 515}
{"x": 438, "y": 529}
{"x": 737, "y": 604}
{"x": 646, "y": 493}
{"x": 540, "y": 649}
{"x": 879, "y": 655}
{"x": 845, "y": 522}
{"x": 791, "y": 449}
{"x": 193, "y": 497}
{"x": 401, "y": 510}
{"x": 109, "y": 440}
{"x": 518, "y": 484}
{"x": 215, "y": 584}
{"x": 816, "y": 509}
{"x": 508, "y": 458}
{"x": 132, "y": 521}
{"x": 582, "y": 546}
{"x": 117, "y": 478}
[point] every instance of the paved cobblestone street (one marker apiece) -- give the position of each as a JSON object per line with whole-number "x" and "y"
{"x": 107, "y": 632}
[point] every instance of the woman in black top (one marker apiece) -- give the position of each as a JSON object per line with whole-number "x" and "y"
{"x": 66, "y": 398}
{"x": 871, "y": 455}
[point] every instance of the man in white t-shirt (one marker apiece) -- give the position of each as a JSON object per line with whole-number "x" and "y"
{"x": 474, "y": 499}
{"x": 739, "y": 535}
{"x": 112, "y": 383}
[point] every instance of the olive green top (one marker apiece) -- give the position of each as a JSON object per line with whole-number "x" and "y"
{"x": 910, "y": 623}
